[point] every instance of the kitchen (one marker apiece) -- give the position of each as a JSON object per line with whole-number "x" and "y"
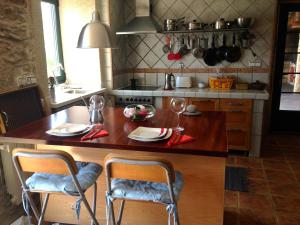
{"x": 139, "y": 59}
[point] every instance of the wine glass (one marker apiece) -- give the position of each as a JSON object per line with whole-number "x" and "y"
{"x": 178, "y": 106}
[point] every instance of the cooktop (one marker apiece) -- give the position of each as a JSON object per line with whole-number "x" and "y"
{"x": 141, "y": 88}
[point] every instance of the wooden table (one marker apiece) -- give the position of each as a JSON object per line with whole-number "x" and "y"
{"x": 202, "y": 162}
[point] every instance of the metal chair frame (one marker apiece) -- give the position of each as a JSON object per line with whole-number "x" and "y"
{"x": 109, "y": 198}
{"x": 27, "y": 191}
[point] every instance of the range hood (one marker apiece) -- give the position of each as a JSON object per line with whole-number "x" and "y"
{"x": 143, "y": 23}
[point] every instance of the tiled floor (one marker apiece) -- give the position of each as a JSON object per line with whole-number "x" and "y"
{"x": 274, "y": 185}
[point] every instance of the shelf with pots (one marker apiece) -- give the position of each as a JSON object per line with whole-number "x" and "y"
{"x": 177, "y": 26}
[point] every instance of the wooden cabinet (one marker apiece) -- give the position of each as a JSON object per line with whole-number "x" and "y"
{"x": 238, "y": 122}
{"x": 205, "y": 104}
{"x": 238, "y": 117}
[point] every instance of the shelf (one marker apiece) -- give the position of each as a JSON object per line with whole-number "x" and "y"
{"x": 205, "y": 31}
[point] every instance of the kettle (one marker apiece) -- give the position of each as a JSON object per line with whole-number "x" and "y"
{"x": 169, "y": 81}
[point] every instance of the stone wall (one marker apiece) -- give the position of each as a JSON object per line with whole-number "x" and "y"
{"x": 16, "y": 42}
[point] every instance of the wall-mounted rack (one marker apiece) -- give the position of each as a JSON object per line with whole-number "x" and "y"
{"x": 205, "y": 31}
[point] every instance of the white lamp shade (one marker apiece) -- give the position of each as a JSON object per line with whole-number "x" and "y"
{"x": 94, "y": 35}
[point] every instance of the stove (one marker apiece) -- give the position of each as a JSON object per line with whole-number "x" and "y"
{"x": 141, "y": 88}
{"x": 125, "y": 100}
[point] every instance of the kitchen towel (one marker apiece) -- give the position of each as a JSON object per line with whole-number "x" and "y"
{"x": 94, "y": 134}
{"x": 178, "y": 139}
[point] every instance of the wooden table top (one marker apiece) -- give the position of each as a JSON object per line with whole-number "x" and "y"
{"x": 208, "y": 129}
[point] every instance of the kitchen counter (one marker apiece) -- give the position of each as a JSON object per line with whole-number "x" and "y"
{"x": 197, "y": 92}
{"x": 211, "y": 127}
{"x": 61, "y": 97}
{"x": 202, "y": 163}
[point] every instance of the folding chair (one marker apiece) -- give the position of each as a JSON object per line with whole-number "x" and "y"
{"x": 141, "y": 179}
{"x": 55, "y": 172}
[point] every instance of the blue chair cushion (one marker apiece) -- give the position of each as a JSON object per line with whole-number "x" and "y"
{"x": 86, "y": 176}
{"x": 146, "y": 191}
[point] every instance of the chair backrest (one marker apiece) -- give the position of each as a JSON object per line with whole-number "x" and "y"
{"x": 139, "y": 168}
{"x": 46, "y": 161}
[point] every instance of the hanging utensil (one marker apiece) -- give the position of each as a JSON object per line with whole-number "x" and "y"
{"x": 209, "y": 56}
{"x": 166, "y": 48}
{"x": 233, "y": 53}
{"x": 220, "y": 52}
{"x": 198, "y": 50}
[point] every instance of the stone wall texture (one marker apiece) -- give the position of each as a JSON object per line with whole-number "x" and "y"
{"x": 16, "y": 42}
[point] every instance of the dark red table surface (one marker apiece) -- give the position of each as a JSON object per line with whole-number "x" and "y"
{"x": 208, "y": 129}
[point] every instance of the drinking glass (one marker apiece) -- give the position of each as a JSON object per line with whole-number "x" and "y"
{"x": 178, "y": 106}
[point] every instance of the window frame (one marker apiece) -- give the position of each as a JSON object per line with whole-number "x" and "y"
{"x": 62, "y": 77}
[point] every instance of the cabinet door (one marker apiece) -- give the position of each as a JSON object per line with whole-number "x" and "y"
{"x": 205, "y": 104}
{"x": 238, "y": 138}
{"x": 236, "y": 104}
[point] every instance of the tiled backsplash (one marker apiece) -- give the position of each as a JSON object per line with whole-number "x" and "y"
{"x": 145, "y": 51}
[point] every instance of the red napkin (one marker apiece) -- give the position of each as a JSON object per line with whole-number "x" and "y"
{"x": 94, "y": 134}
{"x": 178, "y": 139}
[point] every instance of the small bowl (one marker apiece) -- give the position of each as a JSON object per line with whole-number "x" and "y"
{"x": 201, "y": 85}
{"x": 244, "y": 22}
{"x": 139, "y": 112}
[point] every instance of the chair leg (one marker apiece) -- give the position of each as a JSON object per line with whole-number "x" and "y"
{"x": 43, "y": 209}
{"x": 121, "y": 212}
{"x": 110, "y": 215}
{"x": 32, "y": 204}
{"x": 94, "y": 200}
{"x": 176, "y": 217}
{"x": 85, "y": 202}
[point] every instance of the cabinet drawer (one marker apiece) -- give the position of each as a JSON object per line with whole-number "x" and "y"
{"x": 236, "y": 104}
{"x": 238, "y": 138}
{"x": 205, "y": 104}
{"x": 238, "y": 117}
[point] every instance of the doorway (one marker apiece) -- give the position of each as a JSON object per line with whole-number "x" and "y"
{"x": 286, "y": 84}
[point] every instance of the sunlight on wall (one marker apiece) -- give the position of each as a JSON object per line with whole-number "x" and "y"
{"x": 82, "y": 66}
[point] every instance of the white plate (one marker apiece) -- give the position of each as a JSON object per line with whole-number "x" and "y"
{"x": 69, "y": 130}
{"x": 168, "y": 135}
{"x": 148, "y": 132}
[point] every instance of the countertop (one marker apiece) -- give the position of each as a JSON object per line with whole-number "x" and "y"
{"x": 210, "y": 132}
{"x": 60, "y": 97}
{"x": 197, "y": 92}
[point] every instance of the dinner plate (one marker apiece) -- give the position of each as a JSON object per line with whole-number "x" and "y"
{"x": 149, "y": 132}
{"x": 168, "y": 135}
{"x": 69, "y": 130}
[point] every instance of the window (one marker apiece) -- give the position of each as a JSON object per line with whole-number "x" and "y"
{"x": 52, "y": 40}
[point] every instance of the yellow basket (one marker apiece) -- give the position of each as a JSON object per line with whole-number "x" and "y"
{"x": 224, "y": 83}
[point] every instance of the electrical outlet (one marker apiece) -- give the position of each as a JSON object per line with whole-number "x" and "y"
{"x": 254, "y": 64}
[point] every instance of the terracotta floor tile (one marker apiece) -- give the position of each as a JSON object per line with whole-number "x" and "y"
{"x": 280, "y": 177}
{"x": 231, "y": 160}
{"x": 291, "y": 190}
{"x": 295, "y": 166}
{"x": 231, "y": 199}
{"x": 259, "y": 186}
{"x": 256, "y": 217}
{"x": 255, "y": 201}
{"x": 289, "y": 204}
{"x": 288, "y": 218}
{"x": 292, "y": 157}
{"x": 274, "y": 155}
{"x": 230, "y": 216}
{"x": 256, "y": 173}
{"x": 250, "y": 162}
{"x": 275, "y": 165}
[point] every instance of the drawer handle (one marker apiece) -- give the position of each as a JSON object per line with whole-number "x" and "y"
{"x": 235, "y": 111}
{"x": 235, "y": 104}
{"x": 204, "y": 100}
{"x": 234, "y": 129}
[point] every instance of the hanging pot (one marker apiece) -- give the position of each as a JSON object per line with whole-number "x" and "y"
{"x": 210, "y": 57}
{"x": 233, "y": 53}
